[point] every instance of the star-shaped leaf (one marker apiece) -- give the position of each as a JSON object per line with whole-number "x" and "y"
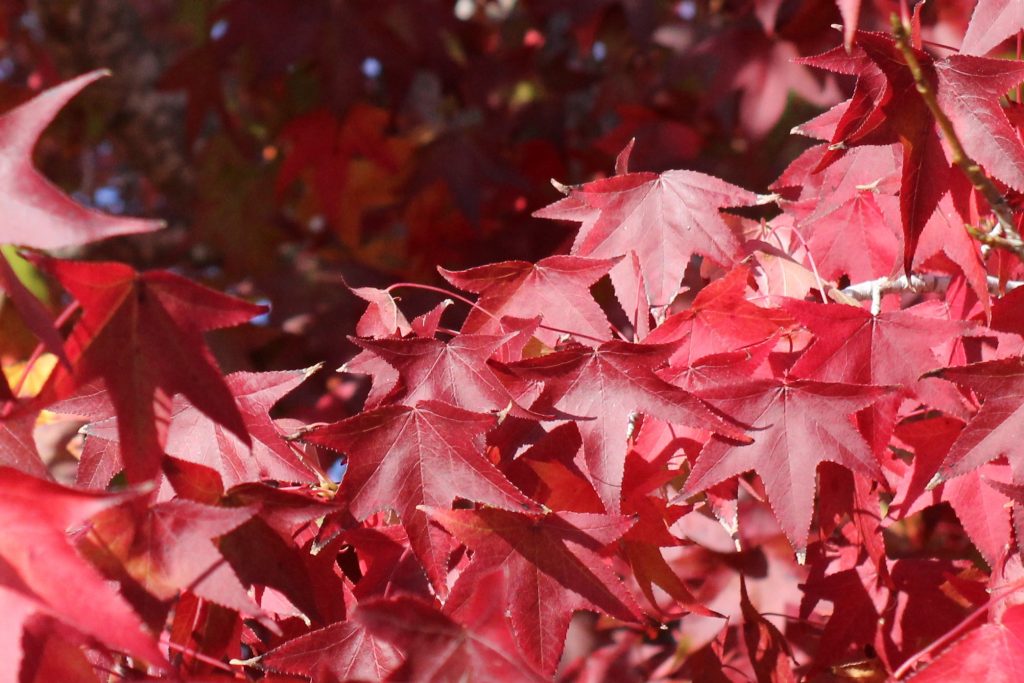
{"x": 194, "y": 437}
{"x": 796, "y": 425}
{"x": 455, "y": 372}
{"x": 995, "y": 429}
{"x": 142, "y": 334}
{"x": 343, "y": 651}
{"x": 608, "y": 384}
{"x": 557, "y": 286}
{"x": 721, "y": 319}
{"x": 170, "y": 548}
{"x": 403, "y": 457}
{"x": 554, "y": 568}
{"x": 665, "y": 218}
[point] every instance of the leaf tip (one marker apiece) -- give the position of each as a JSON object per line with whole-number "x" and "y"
{"x": 934, "y": 481}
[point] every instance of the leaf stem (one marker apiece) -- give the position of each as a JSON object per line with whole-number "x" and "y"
{"x": 1010, "y": 238}
{"x": 957, "y": 630}
{"x": 473, "y": 304}
{"x": 199, "y": 656}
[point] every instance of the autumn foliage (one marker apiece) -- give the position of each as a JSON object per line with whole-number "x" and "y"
{"x": 644, "y": 425}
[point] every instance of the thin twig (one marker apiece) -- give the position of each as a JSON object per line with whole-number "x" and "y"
{"x": 199, "y": 656}
{"x": 1010, "y": 238}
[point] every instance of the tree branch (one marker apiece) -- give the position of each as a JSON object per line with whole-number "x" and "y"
{"x": 863, "y": 291}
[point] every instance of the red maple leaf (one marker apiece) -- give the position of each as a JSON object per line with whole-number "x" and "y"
{"x": 993, "y": 22}
{"x": 322, "y": 145}
{"x": 557, "y": 286}
{"x": 852, "y": 345}
{"x": 767, "y": 648}
{"x": 194, "y": 437}
{"x": 470, "y": 639}
{"x": 994, "y": 430}
{"x": 29, "y": 200}
{"x": 382, "y": 318}
{"x": 43, "y": 574}
{"x": 17, "y": 448}
{"x": 142, "y": 334}
{"x": 720, "y": 319}
{"x": 665, "y": 218}
{"x": 968, "y": 90}
{"x": 796, "y": 425}
{"x": 170, "y": 548}
{"x": 847, "y": 213}
{"x": 343, "y": 651}
{"x": 455, "y": 372}
{"x": 404, "y": 457}
{"x": 609, "y": 384}
{"x": 944, "y": 235}
{"x": 554, "y": 568}
{"x": 36, "y": 213}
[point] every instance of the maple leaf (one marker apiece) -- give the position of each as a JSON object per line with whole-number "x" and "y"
{"x": 851, "y": 345}
{"x": 944, "y": 234}
{"x": 275, "y": 549}
{"x": 470, "y": 640}
{"x": 455, "y": 372}
{"x": 194, "y": 437}
{"x": 665, "y": 218}
{"x": 847, "y": 213}
{"x": 1007, "y": 314}
{"x": 391, "y": 568}
{"x": 968, "y": 91}
{"x": 557, "y": 286}
{"x": 994, "y": 430}
{"x": 170, "y": 548}
{"x": 993, "y": 22}
{"x": 720, "y": 319}
{"x": 403, "y": 457}
{"x": 886, "y": 108}
{"x": 340, "y": 652}
{"x": 768, "y": 72}
{"x": 142, "y": 333}
{"x": 850, "y": 11}
{"x": 17, "y": 448}
{"x": 29, "y": 199}
{"x": 796, "y": 425}
{"x": 42, "y": 573}
{"x": 553, "y": 568}
{"x": 609, "y": 384}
